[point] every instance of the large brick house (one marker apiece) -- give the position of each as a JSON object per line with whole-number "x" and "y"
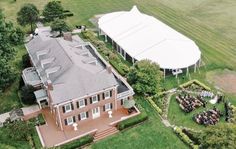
{"x": 74, "y": 82}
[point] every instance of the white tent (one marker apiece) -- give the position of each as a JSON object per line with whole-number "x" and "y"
{"x": 144, "y": 37}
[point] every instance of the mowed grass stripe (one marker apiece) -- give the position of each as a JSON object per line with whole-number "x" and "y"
{"x": 190, "y": 28}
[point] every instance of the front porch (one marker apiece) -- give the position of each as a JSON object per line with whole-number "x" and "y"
{"x": 51, "y": 135}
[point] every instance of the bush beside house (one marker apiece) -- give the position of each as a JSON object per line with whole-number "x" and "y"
{"x": 132, "y": 121}
{"x": 78, "y": 143}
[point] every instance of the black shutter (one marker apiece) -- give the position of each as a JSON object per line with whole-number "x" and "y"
{"x": 122, "y": 101}
{"x": 79, "y": 117}
{"x": 85, "y": 100}
{"x": 103, "y": 95}
{"x": 63, "y": 109}
{"x": 91, "y": 101}
{"x": 110, "y": 93}
{"x": 72, "y": 106}
{"x": 104, "y": 109}
{"x": 77, "y": 104}
{"x": 87, "y": 114}
{"x": 98, "y": 97}
{"x": 111, "y": 105}
{"x": 74, "y": 119}
{"x": 65, "y": 121}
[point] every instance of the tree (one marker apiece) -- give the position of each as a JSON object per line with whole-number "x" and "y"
{"x": 60, "y": 26}
{"x": 19, "y": 130}
{"x": 145, "y": 77}
{"x": 220, "y": 136}
{"x": 28, "y": 14}
{"x": 27, "y": 95}
{"x": 52, "y": 11}
{"x": 7, "y": 74}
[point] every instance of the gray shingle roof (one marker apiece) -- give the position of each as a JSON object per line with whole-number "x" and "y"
{"x": 74, "y": 70}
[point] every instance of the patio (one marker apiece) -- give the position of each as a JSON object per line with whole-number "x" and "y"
{"x": 51, "y": 135}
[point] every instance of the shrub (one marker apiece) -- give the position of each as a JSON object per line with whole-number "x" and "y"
{"x": 78, "y": 143}
{"x": 154, "y": 105}
{"x": 196, "y": 82}
{"x": 27, "y": 95}
{"x": 26, "y": 61}
{"x": 184, "y": 137}
{"x": 132, "y": 121}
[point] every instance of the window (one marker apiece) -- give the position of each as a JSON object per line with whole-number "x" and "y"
{"x": 94, "y": 99}
{"x": 83, "y": 116}
{"x": 81, "y": 103}
{"x": 108, "y": 107}
{"x": 68, "y": 107}
{"x": 107, "y": 94}
{"x": 70, "y": 120}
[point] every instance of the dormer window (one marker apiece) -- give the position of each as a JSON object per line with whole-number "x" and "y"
{"x": 41, "y": 53}
{"x": 52, "y": 70}
{"x": 47, "y": 61}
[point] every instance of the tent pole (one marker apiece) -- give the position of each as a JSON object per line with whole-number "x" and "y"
{"x": 195, "y": 67}
{"x": 105, "y": 38}
{"x": 187, "y": 72}
{"x": 164, "y": 74}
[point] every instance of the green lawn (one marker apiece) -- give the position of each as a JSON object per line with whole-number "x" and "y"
{"x": 151, "y": 134}
{"x": 180, "y": 118}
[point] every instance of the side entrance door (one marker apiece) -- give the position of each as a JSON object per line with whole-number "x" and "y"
{"x": 96, "y": 112}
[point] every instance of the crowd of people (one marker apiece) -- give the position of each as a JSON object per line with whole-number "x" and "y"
{"x": 188, "y": 102}
{"x": 210, "y": 117}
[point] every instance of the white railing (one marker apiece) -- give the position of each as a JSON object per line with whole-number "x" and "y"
{"x": 125, "y": 94}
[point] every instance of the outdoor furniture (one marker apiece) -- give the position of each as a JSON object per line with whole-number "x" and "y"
{"x": 128, "y": 104}
{"x": 110, "y": 114}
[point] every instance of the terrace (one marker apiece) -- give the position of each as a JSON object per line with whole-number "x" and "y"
{"x": 31, "y": 77}
{"x": 51, "y": 135}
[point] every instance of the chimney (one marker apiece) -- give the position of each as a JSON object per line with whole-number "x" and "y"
{"x": 49, "y": 84}
{"x": 109, "y": 69}
{"x": 67, "y": 36}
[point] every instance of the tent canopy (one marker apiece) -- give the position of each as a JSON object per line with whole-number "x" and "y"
{"x": 145, "y": 37}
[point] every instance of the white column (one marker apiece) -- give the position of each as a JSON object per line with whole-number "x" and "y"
{"x": 199, "y": 63}
{"x": 164, "y": 74}
{"x": 187, "y": 72}
{"x": 105, "y": 38}
{"x": 133, "y": 60}
{"x": 195, "y": 67}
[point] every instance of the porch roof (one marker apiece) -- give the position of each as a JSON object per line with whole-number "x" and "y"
{"x": 40, "y": 94}
{"x": 31, "y": 77}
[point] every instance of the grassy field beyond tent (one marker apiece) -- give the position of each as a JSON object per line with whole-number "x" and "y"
{"x": 211, "y": 24}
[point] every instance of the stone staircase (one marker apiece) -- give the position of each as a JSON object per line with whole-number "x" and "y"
{"x": 105, "y": 133}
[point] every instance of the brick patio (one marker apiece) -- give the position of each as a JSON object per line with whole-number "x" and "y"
{"x": 51, "y": 135}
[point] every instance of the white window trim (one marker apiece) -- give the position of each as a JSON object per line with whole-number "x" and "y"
{"x": 84, "y": 117}
{"x": 96, "y": 99}
{"x": 108, "y": 94}
{"x": 67, "y": 119}
{"x": 81, "y": 106}
{"x": 66, "y": 111}
{"x": 109, "y": 107}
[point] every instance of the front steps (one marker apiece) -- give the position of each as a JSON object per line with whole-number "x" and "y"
{"x": 103, "y": 134}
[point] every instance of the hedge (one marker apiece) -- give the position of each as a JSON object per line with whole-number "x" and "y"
{"x": 184, "y": 137}
{"x": 78, "y": 143}
{"x": 196, "y": 82}
{"x": 158, "y": 109}
{"x": 132, "y": 121}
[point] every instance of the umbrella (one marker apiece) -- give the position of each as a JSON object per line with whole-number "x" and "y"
{"x": 129, "y": 104}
